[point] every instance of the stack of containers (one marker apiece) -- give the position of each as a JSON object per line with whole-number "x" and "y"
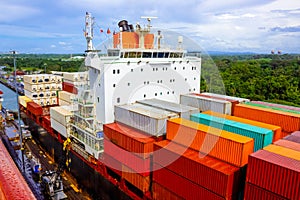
{"x": 241, "y": 100}
{"x": 199, "y": 162}
{"x": 274, "y": 172}
{"x": 127, "y": 153}
{"x": 60, "y": 119}
{"x": 74, "y": 80}
{"x": 289, "y": 122}
{"x": 66, "y": 98}
{"x": 274, "y": 105}
{"x": 275, "y": 129}
{"x": 23, "y": 100}
{"x": 42, "y": 88}
{"x": 262, "y": 137}
{"x": 206, "y": 103}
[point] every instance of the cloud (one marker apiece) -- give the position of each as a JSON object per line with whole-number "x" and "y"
{"x": 12, "y": 12}
{"x": 62, "y": 43}
{"x": 286, "y": 29}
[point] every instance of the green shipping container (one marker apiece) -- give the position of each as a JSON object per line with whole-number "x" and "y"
{"x": 262, "y": 136}
{"x": 272, "y": 107}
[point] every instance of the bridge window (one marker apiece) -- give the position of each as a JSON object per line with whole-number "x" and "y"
{"x": 147, "y": 54}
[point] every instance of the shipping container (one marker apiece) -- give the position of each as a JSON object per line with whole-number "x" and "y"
{"x": 289, "y": 122}
{"x": 67, "y": 96}
{"x": 253, "y": 192}
{"x": 271, "y": 107}
{"x": 69, "y": 88}
{"x": 112, "y": 164}
{"x": 52, "y": 78}
{"x": 32, "y": 88}
{"x": 75, "y": 76}
{"x": 227, "y": 97}
{"x": 290, "y": 153}
{"x": 63, "y": 103}
{"x": 233, "y": 102}
{"x": 59, "y": 86}
{"x": 71, "y": 108}
{"x": 277, "y": 134}
{"x": 160, "y": 192}
{"x": 204, "y": 171}
{"x": 262, "y": 137}
{"x": 12, "y": 183}
{"x": 59, "y": 79}
{"x": 136, "y": 179}
{"x": 296, "y": 133}
{"x": 54, "y": 101}
{"x": 288, "y": 144}
{"x": 276, "y": 173}
{"x": 31, "y": 79}
{"x": 205, "y": 103}
{"x": 292, "y": 138}
{"x": 34, "y": 108}
{"x": 226, "y": 146}
{"x": 182, "y": 110}
{"x": 127, "y": 158}
{"x": 182, "y": 186}
{"x": 61, "y": 115}
{"x": 48, "y": 101}
{"x": 129, "y": 139}
{"x": 144, "y": 118}
{"x": 277, "y": 105}
{"x": 60, "y": 128}
{"x": 46, "y": 78}
{"x": 31, "y": 95}
{"x": 23, "y": 100}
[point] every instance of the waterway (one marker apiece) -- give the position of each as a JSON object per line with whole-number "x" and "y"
{"x": 10, "y": 98}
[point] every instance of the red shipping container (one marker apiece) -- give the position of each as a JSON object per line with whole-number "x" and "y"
{"x": 292, "y": 138}
{"x": 226, "y": 146}
{"x": 288, "y": 144}
{"x": 289, "y": 122}
{"x": 35, "y": 108}
{"x": 69, "y": 87}
{"x": 112, "y": 164}
{"x": 253, "y": 192}
{"x": 12, "y": 183}
{"x": 136, "y": 179}
{"x": 182, "y": 186}
{"x": 296, "y": 133}
{"x": 160, "y": 192}
{"x": 208, "y": 172}
{"x": 129, "y": 139}
{"x": 233, "y": 102}
{"x": 127, "y": 158}
{"x": 276, "y": 173}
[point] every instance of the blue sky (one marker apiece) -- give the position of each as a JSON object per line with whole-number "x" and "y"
{"x": 37, "y": 26}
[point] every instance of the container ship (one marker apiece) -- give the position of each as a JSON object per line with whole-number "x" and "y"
{"x": 136, "y": 126}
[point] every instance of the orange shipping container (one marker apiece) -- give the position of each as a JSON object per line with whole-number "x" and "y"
{"x": 226, "y": 146}
{"x": 139, "y": 181}
{"x": 129, "y": 139}
{"x": 289, "y": 122}
{"x": 160, "y": 192}
{"x": 289, "y": 153}
{"x": 276, "y": 129}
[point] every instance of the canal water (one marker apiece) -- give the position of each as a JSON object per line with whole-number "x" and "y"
{"x": 10, "y": 98}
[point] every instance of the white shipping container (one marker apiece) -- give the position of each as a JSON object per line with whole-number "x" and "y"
{"x": 59, "y": 127}
{"x": 47, "y": 94}
{"x": 47, "y": 101}
{"x": 31, "y": 79}
{"x": 60, "y": 114}
{"x": 67, "y": 96}
{"x": 184, "y": 111}
{"x": 52, "y": 78}
{"x": 41, "y": 102}
{"x": 41, "y": 95}
{"x": 31, "y": 95}
{"x": 227, "y": 97}
{"x": 75, "y": 76}
{"x": 40, "y": 78}
{"x": 46, "y": 78}
{"x": 53, "y": 101}
{"x": 59, "y": 86}
{"x": 53, "y": 86}
{"x": 206, "y": 104}
{"x": 47, "y": 87}
{"x": 30, "y": 87}
{"x": 53, "y": 93}
{"x": 63, "y": 103}
{"x": 145, "y": 118}
{"x": 71, "y": 107}
{"x": 58, "y": 79}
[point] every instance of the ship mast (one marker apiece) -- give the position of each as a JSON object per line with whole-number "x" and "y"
{"x": 89, "y": 31}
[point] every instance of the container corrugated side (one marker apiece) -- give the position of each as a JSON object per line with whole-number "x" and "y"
{"x": 34, "y": 108}
{"x": 136, "y": 179}
{"x": 262, "y": 137}
{"x": 292, "y": 138}
{"x": 145, "y": 118}
{"x": 272, "y": 107}
{"x": 67, "y": 96}
{"x": 30, "y": 79}
{"x": 277, "y": 105}
{"x": 276, "y": 129}
{"x": 71, "y": 108}
{"x": 23, "y": 100}
{"x": 184, "y": 111}
{"x": 75, "y": 76}
{"x": 129, "y": 139}
{"x": 226, "y": 146}
{"x": 182, "y": 186}
{"x": 210, "y": 173}
{"x": 63, "y": 103}
{"x": 60, "y": 128}
{"x": 253, "y": 192}
{"x": 32, "y": 88}
{"x": 112, "y": 164}
{"x": 227, "y": 97}
{"x": 61, "y": 115}
{"x": 276, "y": 173}
{"x": 127, "y": 158}
{"x": 289, "y": 122}
{"x": 205, "y": 103}
{"x": 31, "y": 95}
{"x": 290, "y": 153}
{"x": 160, "y": 192}
{"x": 288, "y": 144}
{"x": 69, "y": 88}
{"x": 296, "y": 133}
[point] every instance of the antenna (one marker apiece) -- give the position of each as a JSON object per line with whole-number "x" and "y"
{"x": 149, "y": 20}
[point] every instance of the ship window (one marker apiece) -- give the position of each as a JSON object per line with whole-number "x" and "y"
{"x": 147, "y": 82}
{"x": 126, "y": 55}
{"x": 98, "y": 99}
{"x": 153, "y": 69}
{"x": 194, "y": 89}
{"x": 128, "y": 84}
{"x": 174, "y": 68}
{"x": 144, "y": 95}
{"x": 185, "y": 79}
{"x": 194, "y": 78}
{"x": 166, "y": 54}
{"x": 168, "y": 92}
{"x": 147, "y": 54}
{"x": 122, "y": 55}
{"x": 114, "y": 85}
{"x": 132, "y": 54}
{"x": 155, "y": 94}
{"x": 118, "y": 100}
{"x": 154, "y": 55}
{"x": 118, "y": 71}
{"x": 160, "y": 54}
{"x": 161, "y": 93}
{"x": 183, "y": 68}
{"x": 139, "y": 54}
{"x": 142, "y": 69}
{"x": 172, "y": 92}
{"x": 114, "y": 71}
{"x": 131, "y": 70}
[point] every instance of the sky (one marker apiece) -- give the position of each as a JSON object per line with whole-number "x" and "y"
{"x": 38, "y": 26}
